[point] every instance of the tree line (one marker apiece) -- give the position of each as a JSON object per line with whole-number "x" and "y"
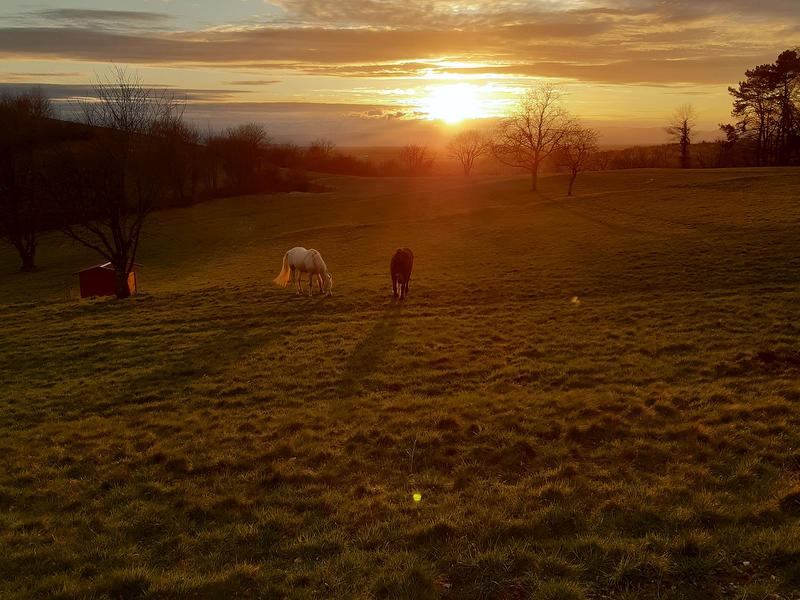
{"x": 132, "y": 152}
{"x": 765, "y": 132}
{"x": 538, "y": 131}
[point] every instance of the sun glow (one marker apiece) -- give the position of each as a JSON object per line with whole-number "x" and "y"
{"x": 454, "y": 103}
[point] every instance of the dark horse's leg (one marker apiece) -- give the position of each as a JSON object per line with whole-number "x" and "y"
{"x": 394, "y": 285}
{"x": 405, "y": 286}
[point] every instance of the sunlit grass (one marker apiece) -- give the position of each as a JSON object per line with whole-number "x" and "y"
{"x": 489, "y": 437}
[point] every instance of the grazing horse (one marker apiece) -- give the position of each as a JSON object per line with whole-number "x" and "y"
{"x": 298, "y": 261}
{"x": 400, "y": 269}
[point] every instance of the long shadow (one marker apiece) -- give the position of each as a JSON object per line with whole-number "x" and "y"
{"x": 367, "y": 356}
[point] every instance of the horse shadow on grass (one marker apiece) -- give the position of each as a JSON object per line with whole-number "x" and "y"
{"x": 368, "y": 355}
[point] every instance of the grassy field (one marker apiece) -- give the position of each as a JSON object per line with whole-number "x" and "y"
{"x": 593, "y": 397}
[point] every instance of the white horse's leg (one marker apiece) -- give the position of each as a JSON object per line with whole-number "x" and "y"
{"x": 310, "y": 284}
{"x": 319, "y": 281}
{"x": 298, "y": 281}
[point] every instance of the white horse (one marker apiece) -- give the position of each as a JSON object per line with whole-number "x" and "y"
{"x": 297, "y": 261}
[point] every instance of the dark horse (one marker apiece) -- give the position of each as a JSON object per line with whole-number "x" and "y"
{"x": 400, "y": 268}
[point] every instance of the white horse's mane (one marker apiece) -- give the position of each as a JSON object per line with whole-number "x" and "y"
{"x": 319, "y": 264}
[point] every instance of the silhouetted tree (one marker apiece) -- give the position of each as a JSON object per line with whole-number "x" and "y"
{"x": 320, "y": 154}
{"x": 601, "y": 160}
{"x": 680, "y": 128}
{"x": 754, "y": 103}
{"x": 25, "y": 132}
{"x": 241, "y": 152}
{"x": 467, "y": 147}
{"x": 321, "y": 149}
{"x": 533, "y": 131}
{"x": 767, "y": 106}
{"x": 285, "y": 155}
{"x": 33, "y": 105}
{"x": 732, "y": 149}
{"x": 416, "y": 159}
{"x": 786, "y": 76}
{"x": 109, "y": 186}
{"x": 178, "y": 145}
{"x": 577, "y": 149}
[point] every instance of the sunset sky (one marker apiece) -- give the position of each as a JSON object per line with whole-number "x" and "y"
{"x": 386, "y": 72}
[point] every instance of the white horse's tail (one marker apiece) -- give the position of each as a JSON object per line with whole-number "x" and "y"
{"x": 283, "y": 277}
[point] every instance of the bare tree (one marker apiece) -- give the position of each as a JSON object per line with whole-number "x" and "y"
{"x": 319, "y": 154}
{"x": 467, "y": 147}
{"x": 680, "y": 128}
{"x": 25, "y": 133}
{"x": 533, "y": 131}
{"x": 321, "y": 148}
{"x": 577, "y": 148}
{"x": 108, "y": 187}
{"x": 601, "y": 160}
{"x": 416, "y": 159}
{"x": 241, "y": 152}
{"x": 33, "y": 104}
{"x": 178, "y": 144}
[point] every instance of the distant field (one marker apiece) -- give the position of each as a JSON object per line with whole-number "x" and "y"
{"x": 595, "y": 397}
{"x": 443, "y": 164}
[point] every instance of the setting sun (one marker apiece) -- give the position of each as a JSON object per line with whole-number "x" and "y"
{"x": 454, "y": 103}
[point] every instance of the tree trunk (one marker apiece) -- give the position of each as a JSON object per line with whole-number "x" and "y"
{"x": 27, "y": 263}
{"x": 121, "y": 276}
{"x": 26, "y": 255}
{"x": 534, "y": 177}
{"x": 572, "y": 182}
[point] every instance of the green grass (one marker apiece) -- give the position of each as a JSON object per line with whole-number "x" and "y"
{"x": 216, "y": 436}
